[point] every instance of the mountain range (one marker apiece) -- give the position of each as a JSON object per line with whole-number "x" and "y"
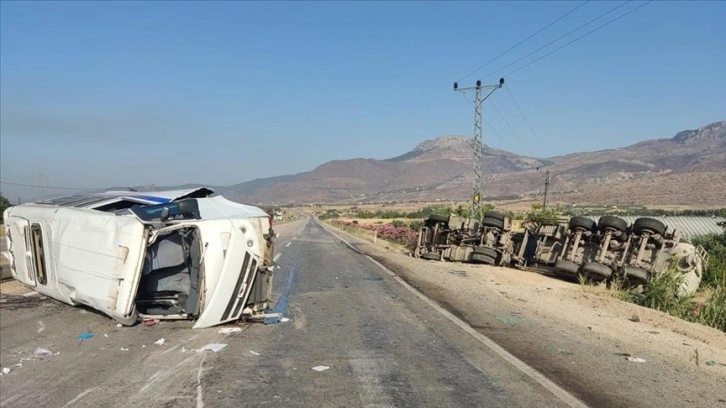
{"x": 686, "y": 169}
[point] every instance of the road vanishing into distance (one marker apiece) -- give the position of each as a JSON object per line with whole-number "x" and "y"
{"x": 357, "y": 336}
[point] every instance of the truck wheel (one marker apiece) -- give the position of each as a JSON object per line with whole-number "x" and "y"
{"x": 649, "y": 224}
{"x": 492, "y": 222}
{"x": 635, "y": 274}
{"x": 482, "y": 259}
{"x": 567, "y": 267}
{"x": 494, "y": 215}
{"x": 597, "y": 271}
{"x": 616, "y": 223}
{"x": 581, "y": 223}
{"x": 431, "y": 256}
{"x": 490, "y": 252}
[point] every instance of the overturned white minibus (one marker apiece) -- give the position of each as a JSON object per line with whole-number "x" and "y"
{"x": 181, "y": 254}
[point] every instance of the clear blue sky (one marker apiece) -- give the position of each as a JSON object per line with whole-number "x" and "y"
{"x": 100, "y": 93}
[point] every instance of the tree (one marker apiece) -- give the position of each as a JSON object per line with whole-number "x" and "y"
{"x": 4, "y": 203}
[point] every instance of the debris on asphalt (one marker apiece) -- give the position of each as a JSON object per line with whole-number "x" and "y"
{"x": 635, "y": 318}
{"x": 124, "y": 349}
{"x": 105, "y": 334}
{"x": 215, "y": 347}
{"x": 160, "y": 341}
{"x": 143, "y": 345}
{"x": 18, "y": 365}
{"x": 6, "y": 370}
{"x": 229, "y": 330}
{"x": 284, "y": 319}
{"x": 85, "y": 336}
{"x": 41, "y": 352}
{"x": 320, "y": 368}
{"x": 635, "y": 359}
{"x": 506, "y": 319}
{"x": 119, "y": 325}
{"x": 711, "y": 363}
{"x": 41, "y": 327}
{"x": 255, "y": 353}
{"x": 150, "y": 322}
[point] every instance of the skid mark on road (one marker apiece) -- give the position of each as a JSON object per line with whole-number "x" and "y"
{"x": 79, "y": 396}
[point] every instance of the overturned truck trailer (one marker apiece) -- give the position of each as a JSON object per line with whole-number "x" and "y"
{"x": 599, "y": 251}
{"x": 132, "y": 255}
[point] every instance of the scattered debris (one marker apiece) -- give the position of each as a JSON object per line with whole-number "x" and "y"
{"x": 255, "y": 353}
{"x": 229, "y": 330}
{"x": 124, "y": 349}
{"x": 85, "y": 336}
{"x": 589, "y": 327}
{"x": 635, "y": 359}
{"x": 143, "y": 345}
{"x": 18, "y": 365}
{"x": 150, "y": 322}
{"x": 284, "y": 319}
{"x": 635, "y": 318}
{"x": 215, "y": 347}
{"x": 119, "y": 325}
{"x": 711, "y": 363}
{"x": 41, "y": 352}
{"x": 6, "y": 370}
{"x": 695, "y": 357}
{"x": 506, "y": 319}
{"x": 320, "y": 368}
{"x": 41, "y": 327}
{"x": 160, "y": 341}
{"x": 105, "y": 334}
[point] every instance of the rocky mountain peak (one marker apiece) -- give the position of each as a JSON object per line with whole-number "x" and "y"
{"x": 444, "y": 142}
{"x": 714, "y": 131}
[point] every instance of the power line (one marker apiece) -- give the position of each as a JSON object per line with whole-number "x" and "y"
{"x": 525, "y": 40}
{"x": 511, "y": 128}
{"x": 525, "y": 118}
{"x": 499, "y": 136}
{"x": 44, "y": 186}
{"x": 559, "y": 38}
{"x": 580, "y": 37}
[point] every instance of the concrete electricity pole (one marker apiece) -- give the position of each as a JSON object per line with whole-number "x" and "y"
{"x": 475, "y": 210}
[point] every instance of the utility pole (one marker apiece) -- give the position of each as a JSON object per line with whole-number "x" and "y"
{"x": 547, "y": 189}
{"x": 477, "y": 146}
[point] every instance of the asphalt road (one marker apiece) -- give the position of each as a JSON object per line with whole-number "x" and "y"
{"x": 375, "y": 343}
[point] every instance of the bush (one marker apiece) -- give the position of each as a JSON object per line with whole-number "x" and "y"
{"x": 715, "y": 245}
{"x": 416, "y": 225}
{"x": 662, "y": 294}
{"x": 329, "y": 214}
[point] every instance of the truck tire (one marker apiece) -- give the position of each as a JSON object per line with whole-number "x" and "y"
{"x": 649, "y": 224}
{"x": 567, "y": 267}
{"x": 616, "y": 223}
{"x": 597, "y": 271}
{"x": 494, "y": 215}
{"x": 482, "y": 259}
{"x": 431, "y": 256}
{"x": 486, "y": 251}
{"x": 635, "y": 274}
{"x": 581, "y": 223}
{"x": 492, "y": 222}
{"x": 433, "y": 219}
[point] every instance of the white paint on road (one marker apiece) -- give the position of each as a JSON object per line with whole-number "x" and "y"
{"x": 276, "y": 257}
{"x": 288, "y": 244}
{"x": 200, "y": 395}
{"x": 530, "y": 372}
{"x": 79, "y": 396}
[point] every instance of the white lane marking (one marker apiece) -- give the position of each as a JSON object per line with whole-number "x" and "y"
{"x": 79, "y": 396}
{"x": 288, "y": 244}
{"x": 276, "y": 257}
{"x": 530, "y": 372}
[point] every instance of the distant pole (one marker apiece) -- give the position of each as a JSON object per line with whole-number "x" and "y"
{"x": 477, "y": 144}
{"x": 547, "y": 189}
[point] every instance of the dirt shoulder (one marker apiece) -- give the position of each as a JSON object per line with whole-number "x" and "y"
{"x": 581, "y": 337}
